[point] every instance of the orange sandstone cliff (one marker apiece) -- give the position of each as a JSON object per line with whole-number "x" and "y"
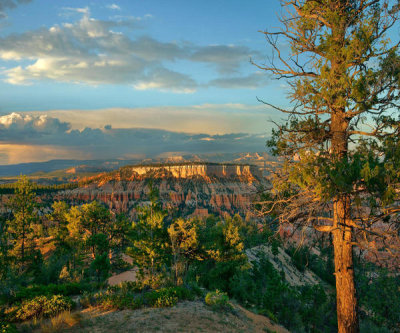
{"x": 192, "y": 188}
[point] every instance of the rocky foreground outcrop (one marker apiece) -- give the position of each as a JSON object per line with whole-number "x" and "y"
{"x": 192, "y": 188}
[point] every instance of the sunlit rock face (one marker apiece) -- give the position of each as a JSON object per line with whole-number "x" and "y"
{"x": 192, "y": 189}
{"x": 200, "y": 170}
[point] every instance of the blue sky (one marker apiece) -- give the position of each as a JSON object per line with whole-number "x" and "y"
{"x": 175, "y": 66}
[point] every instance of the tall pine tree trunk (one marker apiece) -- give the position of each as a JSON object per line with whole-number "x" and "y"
{"x": 342, "y": 238}
{"x": 343, "y": 255}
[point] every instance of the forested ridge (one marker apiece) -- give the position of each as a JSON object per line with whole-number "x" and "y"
{"x": 59, "y": 263}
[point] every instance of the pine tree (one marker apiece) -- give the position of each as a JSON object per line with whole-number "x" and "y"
{"x": 4, "y": 248}
{"x": 20, "y": 227}
{"x": 58, "y": 219}
{"x": 150, "y": 248}
{"x": 339, "y": 148}
{"x": 183, "y": 235}
{"x": 95, "y": 234}
{"x": 96, "y": 222}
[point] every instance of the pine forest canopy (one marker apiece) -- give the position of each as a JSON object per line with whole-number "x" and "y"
{"x": 340, "y": 143}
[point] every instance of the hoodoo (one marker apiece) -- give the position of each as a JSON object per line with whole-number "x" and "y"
{"x": 189, "y": 187}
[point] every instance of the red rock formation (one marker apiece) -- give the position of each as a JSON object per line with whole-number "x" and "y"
{"x": 213, "y": 188}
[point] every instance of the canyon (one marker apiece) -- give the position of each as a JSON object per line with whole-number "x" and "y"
{"x": 190, "y": 189}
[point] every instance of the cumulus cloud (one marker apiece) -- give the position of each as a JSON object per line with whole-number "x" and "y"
{"x": 90, "y": 52}
{"x": 96, "y": 52}
{"x": 22, "y": 127}
{"x": 29, "y": 130}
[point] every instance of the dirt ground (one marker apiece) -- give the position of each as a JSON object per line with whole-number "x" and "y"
{"x": 184, "y": 317}
{"x": 128, "y": 276}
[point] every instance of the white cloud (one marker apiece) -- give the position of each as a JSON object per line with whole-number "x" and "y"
{"x": 22, "y": 127}
{"x": 95, "y": 52}
{"x": 88, "y": 51}
{"x": 114, "y": 6}
{"x": 83, "y": 10}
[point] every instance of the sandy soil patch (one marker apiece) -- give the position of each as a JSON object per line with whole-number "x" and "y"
{"x": 128, "y": 276}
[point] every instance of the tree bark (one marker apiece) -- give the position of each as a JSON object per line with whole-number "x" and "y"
{"x": 343, "y": 255}
{"x": 346, "y": 298}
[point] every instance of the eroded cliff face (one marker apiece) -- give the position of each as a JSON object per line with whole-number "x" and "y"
{"x": 201, "y": 170}
{"x": 193, "y": 189}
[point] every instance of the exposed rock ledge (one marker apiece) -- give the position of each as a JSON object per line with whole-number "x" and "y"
{"x": 194, "y": 188}
{"x": 203, "y": 170}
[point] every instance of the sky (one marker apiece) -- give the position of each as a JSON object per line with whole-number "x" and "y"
{"x": 116, "y": 79}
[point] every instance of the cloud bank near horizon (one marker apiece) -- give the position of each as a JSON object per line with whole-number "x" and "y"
{"x": 26, "y": 137}
{"x": 203, "y": 118}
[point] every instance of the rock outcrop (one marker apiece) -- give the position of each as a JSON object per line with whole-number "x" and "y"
{"x": 200, "y": 170}
{"x": 193, "y": 189}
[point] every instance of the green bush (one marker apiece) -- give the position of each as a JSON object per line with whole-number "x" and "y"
{"x": 215, "y": 275}
{"x": 186, "y": 292}
{"x": 126, "y": 287}
{"x": 217, "y": 300}
{"x": 112, "y": 298}
{"x": 120, "y": 302}
{"x": 6, "y": 327}
{"x": 166, "y": 301}
{"x": 65, "y": 289}
{"x": 38, "y": 307}
{"x": 127, "y": 296}
{"x": 164, "y": 297}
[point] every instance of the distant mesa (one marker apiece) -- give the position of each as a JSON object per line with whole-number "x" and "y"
{"x": 188, "y": 170}
{"x": 195, "y": 189}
